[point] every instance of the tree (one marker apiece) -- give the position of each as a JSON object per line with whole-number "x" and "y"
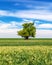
{"x": 29, "y": 30}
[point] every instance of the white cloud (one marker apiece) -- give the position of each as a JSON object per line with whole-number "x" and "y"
{"x": 36, "y": 14}
{"x": 8, "y": 30}
{"x": 45, "y": 26}
{"x": 43, "y": 33}
{"x": 4, "y": 13}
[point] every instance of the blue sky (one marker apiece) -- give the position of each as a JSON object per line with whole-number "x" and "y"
{"x": 13, "y": 13}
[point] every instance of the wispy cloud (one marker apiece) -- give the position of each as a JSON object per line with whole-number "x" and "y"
{"x": 9, "y": 30}
{"x": 9, "y": 27}
{"x": 36, "y": 14}
{"x": 39, "y": 5}
{"x": 45, "y": 26}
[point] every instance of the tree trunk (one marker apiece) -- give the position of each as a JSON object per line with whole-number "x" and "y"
{"x": 26, "y": 37}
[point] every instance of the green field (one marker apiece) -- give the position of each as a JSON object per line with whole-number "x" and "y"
{"x": 25, "y": 52}
{"x": 26, "y": 55}
{"x": 22, "y": 42}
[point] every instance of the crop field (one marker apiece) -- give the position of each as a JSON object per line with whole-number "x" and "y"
{"x": 22, "y": 42}
{"x": 26, "y": 55}
{"x": 25, "y": 52}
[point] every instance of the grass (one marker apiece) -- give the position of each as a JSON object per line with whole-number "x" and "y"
{"x": 26, "y": 55}
{"x": 22, "y": 42}
{"x": 15, "y": 51}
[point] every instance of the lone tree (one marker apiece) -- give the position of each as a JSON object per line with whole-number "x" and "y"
{"x": 29, "y": 30}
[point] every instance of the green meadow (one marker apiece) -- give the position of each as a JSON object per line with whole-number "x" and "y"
{"x": 22, "y": 42}
{"x": 15, "y": 51}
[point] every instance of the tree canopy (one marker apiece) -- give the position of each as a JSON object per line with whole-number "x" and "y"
{"x": 29, "y": 30}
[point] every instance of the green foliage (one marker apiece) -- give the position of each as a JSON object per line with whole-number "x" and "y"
{"x": 28, "y": 30}
{"x": 23, "y": 33}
